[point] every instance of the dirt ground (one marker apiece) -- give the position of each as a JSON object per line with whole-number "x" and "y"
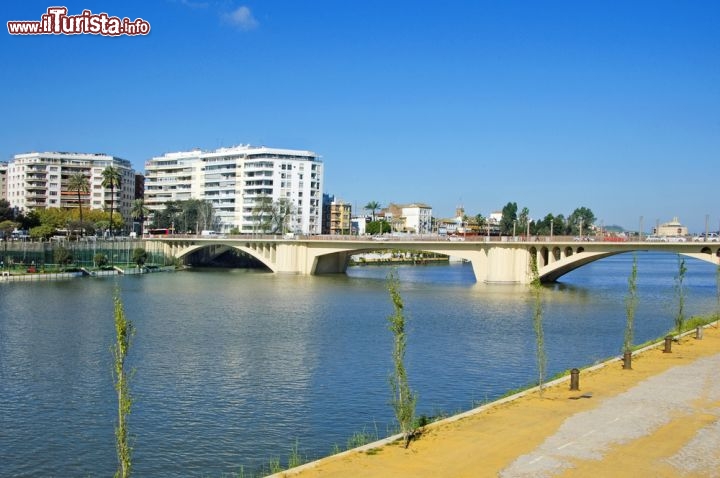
{"x": 660, "y": 419}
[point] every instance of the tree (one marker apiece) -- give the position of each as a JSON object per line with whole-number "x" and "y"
{"x": 680, "y": 292}
{"x": 205, "y": 214}
{"x": 100, "y": 259}
{"x": 372, "y": 206}
{"x": 403, "y": 399}
{"x": 559, "y": 225}
{"x": 165, "y": 218}
{"x": 281, "y": 211}
{"x": 717, "y": 295}
{"x": 545, "y": 225}
{"x": 62, "y": 256}
{"x": 580, "y": 221}
{"x": 139, "y": 256}
{"x": 523, "y": 220}
{"x": 271, "y": 217}
{"x": 377, "y": 227}
{"x": 7, "y": 227}
{"x": 540, "y": 357}
{"x": 630, "y": 305}
{"x": 42, "y": 232}
{"x": 6, "y": 212}
{"x": 79, "y": 183}
{"x": 509, "y": 216}
{"x": 124, "y": 331}
{"x": 111, "y": 179}
{"x": 139, "y": 211}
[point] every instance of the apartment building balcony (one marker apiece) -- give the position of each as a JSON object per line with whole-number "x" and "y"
{"x": 33, "y": 196}
{"x": 34, "y": 185}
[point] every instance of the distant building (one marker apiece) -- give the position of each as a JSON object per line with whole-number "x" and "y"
{"x": 139, "y": 186}
{"x": 40, "y": 181}
{"x": 671, "y": 228}
{"x": 413, "y": 218}
{"x": 3, "y": 181}
{"x": 336, "y": 216}
{"x": 325, "y": 216}
{"x": 238, "y": 181}
{"x": 357, "y": 225}
{"x": 340, "y": 213}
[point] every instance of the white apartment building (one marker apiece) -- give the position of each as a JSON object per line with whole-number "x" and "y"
{"x": 418, "y": 218}
{"x": 40, "y": 181}
{"x": 236, "y": 179}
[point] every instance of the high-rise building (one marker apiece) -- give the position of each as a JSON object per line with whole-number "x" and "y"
{"x": 246, "y": 186}
{"x": 41, "y": 181}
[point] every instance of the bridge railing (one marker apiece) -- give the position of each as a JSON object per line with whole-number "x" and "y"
{"x": 384, "y": 238}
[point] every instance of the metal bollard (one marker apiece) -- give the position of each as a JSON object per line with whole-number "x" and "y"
{"x": 699, "y": 332}
{"x": 668, "y": 344}
{"x": 574, "y": 379}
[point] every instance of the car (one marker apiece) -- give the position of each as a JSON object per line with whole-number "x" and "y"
{"x": 710, "y": 237}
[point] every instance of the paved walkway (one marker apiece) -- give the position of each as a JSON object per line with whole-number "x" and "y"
{"x": 660, "y": 419}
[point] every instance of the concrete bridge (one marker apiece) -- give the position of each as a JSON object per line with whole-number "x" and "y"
{"x": 500, "y": 260}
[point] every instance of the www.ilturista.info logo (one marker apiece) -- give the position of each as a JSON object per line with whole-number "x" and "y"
{"x": 57, "y": 22}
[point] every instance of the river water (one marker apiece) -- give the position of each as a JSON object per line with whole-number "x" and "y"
{"x": 234, "y": 367}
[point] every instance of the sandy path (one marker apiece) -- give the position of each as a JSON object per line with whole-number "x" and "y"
{"x": 660, "y": 419}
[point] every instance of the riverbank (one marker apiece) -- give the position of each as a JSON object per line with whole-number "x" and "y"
{"x": 662, "y": 418}
{"x": 39, "y": 276}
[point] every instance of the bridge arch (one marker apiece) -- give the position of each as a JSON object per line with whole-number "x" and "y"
{"x": 552, "y": 272}
{"x": 263, "y": 253}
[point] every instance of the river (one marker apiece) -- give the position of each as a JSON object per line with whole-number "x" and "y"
{"x": 234, "y": 367}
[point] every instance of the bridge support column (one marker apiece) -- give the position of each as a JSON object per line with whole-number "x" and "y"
{"x": 508, "y": 265}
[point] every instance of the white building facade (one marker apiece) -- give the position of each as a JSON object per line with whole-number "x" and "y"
{"x": 40, "y": 181}
{"x": 418, "y": 218}
{"x": 236, "y": 180}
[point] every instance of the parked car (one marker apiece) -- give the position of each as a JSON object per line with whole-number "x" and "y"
{"x": 711, "y": 237}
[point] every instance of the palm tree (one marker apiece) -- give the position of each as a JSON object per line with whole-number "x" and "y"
{"x": 139, "y": 211}
{"x": 372, "y": 206}
{"x": 79, "y": 182}
{"x": 111, "y": 179}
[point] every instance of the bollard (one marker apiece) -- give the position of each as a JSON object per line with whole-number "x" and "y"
{"x": 574, "y": 379}
{"x": 668, "y": 344}
{"x": 627, "y": 360}
{"x": 699, "y": 332}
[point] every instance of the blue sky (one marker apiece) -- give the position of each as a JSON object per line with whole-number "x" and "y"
{"x": 611, "y": 105}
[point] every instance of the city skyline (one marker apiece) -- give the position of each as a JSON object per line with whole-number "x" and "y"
{"x": 554, "y": 106}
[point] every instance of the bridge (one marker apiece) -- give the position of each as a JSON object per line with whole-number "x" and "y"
{"x": 494, "y": 260}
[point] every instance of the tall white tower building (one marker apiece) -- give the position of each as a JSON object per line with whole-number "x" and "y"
{"x": 237, "y": 180}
